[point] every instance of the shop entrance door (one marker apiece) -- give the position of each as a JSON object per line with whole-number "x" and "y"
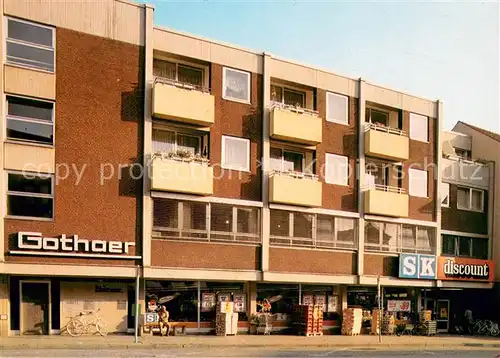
{"x": 443, "y": 316}
{"x": 35, "y": 307}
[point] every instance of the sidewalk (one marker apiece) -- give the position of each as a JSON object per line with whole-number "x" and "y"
{"x": 249, "y": 341}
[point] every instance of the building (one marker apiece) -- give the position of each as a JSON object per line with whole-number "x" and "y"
{"x": 211, "y": 171}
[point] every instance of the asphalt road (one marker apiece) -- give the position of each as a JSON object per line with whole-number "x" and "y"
{"x": 248, "y": 352}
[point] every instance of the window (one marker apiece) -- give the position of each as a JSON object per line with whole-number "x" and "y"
{"x": 393, "y": 237}
{"x": 463, "y": 153}
{"x": 377, "y": 117}
{"x": 284, "y": 161}
{"x": 419, "y": 127}
{"x": 465, "y": 246}
{"x": 178, "y": 72}
{"x": 337, "y": 108}
{"x": 336, "y": 169}
{"x": 288, "y": 96}
{"x": 236, "y": 85}
{"x": 470, "y": 199}
{"x": 29, "y": 120}
{"x": 166, "y": 141}
{"x": 311, "y": 230}
{"x": 30, "y": 196}
{"x": 445, "y": 195}
{"x": 30, "y": 45}
{"x": 236, "y": 153}
{"x": 418, "y": 182}
{"x": 192, "y": 220}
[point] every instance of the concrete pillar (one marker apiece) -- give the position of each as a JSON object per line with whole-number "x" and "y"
{"x": 491, "y": 208}
{"x": 266, "y": 152}
{"x": 4, "y": 307}
{"x": 147, "y": 202}
{"x": 251, "y": 290}
{"x": 438, "y": 174}
{"x": 361, "y": 177}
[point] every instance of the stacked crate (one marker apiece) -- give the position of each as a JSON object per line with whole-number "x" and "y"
{"x": 376, "y": 317}
{"x": 226, "y": 321}
{"x": 308, "y": 320}
{"x": 352, "y": 321}
{"x": 388, "y": 324}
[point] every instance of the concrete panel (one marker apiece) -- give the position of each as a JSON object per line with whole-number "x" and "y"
{"x": 295, "y": 126}
{"x": 182, "y": 177}
{"x": 376, "y": 144}
{"x": 117, "y": 20}
{"x": 29, "y": 158}
{"x": 286, "y": 189}
{"x": 465, "y": 173}
{"x": 31, "y": 83}
{"x": 378, "y": 202}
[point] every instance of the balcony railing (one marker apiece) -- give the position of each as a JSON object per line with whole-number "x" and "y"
{"x": 167, "y": 233}
{"x": 184, "y": 85}
{"x": 386, "y": 188}
{"x": 295, "y": 109}
{"x": 294, "y": 174}
{"x": 385, "y": 129}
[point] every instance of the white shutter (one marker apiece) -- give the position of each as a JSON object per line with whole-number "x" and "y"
{"x": 337, "y": 108}
{"x": 445, "y": 194}
{"x": 419, "y": 127}
{"x": 337, "y": 169}
{"x": 418, "y": 182}
{"x": 236, "y": 153}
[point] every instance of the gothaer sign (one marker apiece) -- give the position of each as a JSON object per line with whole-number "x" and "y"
{"x": 33, "y": 243}
{"x": 465, "y": 269}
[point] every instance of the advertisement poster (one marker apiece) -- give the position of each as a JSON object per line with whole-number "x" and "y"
{"x": 207, "y": 302}
{"x": 239, "y": 302}
{"x": 399, "y": 306}
{"x": 320, "y": 300}
{"x": 224, "y": 297}
{"x": 332, "y": 303}
{"x": 308, "y": 300}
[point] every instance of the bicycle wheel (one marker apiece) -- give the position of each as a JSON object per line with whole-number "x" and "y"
{"x": 75, "y": 328}
{"x": 101, "y": 328}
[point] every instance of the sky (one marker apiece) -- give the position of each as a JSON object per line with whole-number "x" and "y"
{"x": 446, "y": 50}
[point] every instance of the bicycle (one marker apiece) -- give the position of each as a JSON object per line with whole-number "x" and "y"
{"x": 485, "y": 327}
{"x": 81, "y": 324}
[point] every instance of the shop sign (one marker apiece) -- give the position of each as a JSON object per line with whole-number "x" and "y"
{"x": 417, "y": 266}
{"x": 320, "y": 300}
{"x": 465, "y": 269}
{"x": 332, "y": 303}
{"x": 308, "y": 300}
{"x": 150, "y": 317}
{"x": 33, "y": 243}
{"x": 399, "y": 306}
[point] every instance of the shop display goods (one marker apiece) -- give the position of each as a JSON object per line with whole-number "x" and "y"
{"x": 352, "y": 321}
{"x": 308, "y": 320}
{"x": 226, "y": 321}
{"x": 388, "y": 325}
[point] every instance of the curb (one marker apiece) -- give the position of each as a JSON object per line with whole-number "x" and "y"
{"x": 370, "y": 346}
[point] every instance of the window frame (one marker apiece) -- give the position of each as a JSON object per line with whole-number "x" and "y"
{"x": 33, "y": 23}
{"x": 283, "y": 150}
{"x": 338, "y": 95}
{"x": 29, "y": 195}
{"x": 290, "y": 89}
{"x": 456, "y": 246}
{"x": 410, "y": 170}
{"x": 412, "y": 135}
{"x": 326, "y": 169}
{"x": 223, "y": 154}
{"x": 32, "y": 120}
{"x": 178, "y": 132}
{"x": 232, "y": 235}
{"x": 313, "y": 242}
{"x": 204, "y": 71}
{"x": 447, "y": 203}
{"x": 381, "y": 111}
{"x": 470, "y": 190}
{"x": 249, "y": 85}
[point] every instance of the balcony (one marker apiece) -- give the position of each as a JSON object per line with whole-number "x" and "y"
{"x": 386, "y": 200}
{"x": 182, "y": 102}
{"x": 296, "y": 125}
{"x": 295, "y": 189}
{"x": 385, "y": 142}
{"x": 181, "y": 176}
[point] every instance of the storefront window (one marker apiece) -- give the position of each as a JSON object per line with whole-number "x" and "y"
{"x": 322, "y": 295}
{"x": 179, "y": 297}
{"x": 213, "y": 292}
{"x": 281, "y": 297}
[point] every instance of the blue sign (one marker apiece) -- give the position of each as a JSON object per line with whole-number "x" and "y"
{"x": 417, "y": 266}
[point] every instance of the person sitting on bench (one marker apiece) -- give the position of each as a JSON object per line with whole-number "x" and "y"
{"x": 163, "y": 316}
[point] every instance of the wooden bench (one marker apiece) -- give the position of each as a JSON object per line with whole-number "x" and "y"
{"x": 176, "y": 328}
